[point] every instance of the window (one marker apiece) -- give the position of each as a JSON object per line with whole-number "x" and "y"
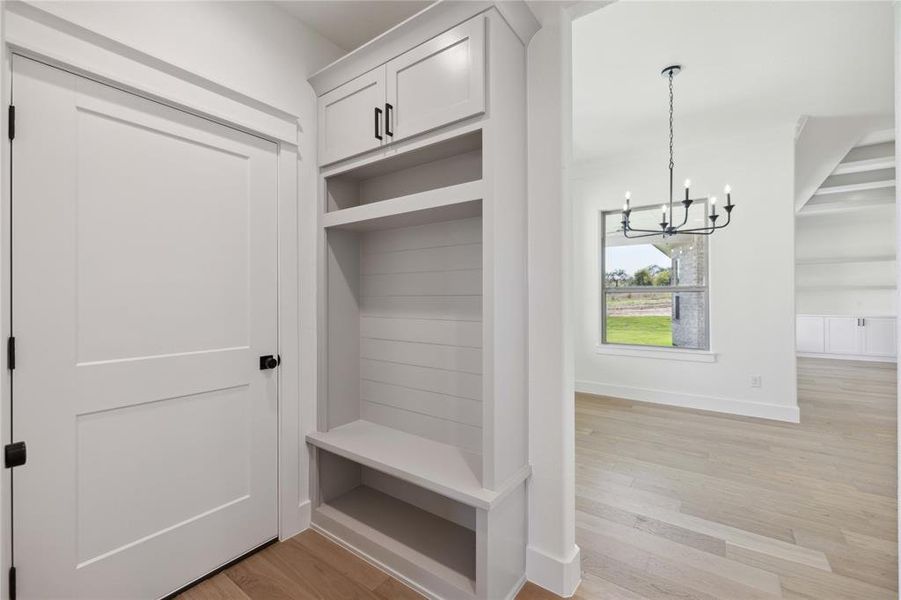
{"x": 654, "y": 289}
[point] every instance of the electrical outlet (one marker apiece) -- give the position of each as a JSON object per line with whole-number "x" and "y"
{"x": 756, "y": 381}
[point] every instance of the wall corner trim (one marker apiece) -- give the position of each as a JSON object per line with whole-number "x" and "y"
{"x": 304, "y": 520}
{"x": 729, "y": 406}
{"x": 561, "y": 576}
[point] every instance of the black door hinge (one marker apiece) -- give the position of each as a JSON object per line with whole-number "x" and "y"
{"x": 14, "y": 454}
{"x": 11, "y": 126}
{"x": 12, "y": 583}
{"x": 11, "y": 353}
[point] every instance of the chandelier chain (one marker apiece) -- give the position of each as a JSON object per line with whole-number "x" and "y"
{"x": 671, "y": 163}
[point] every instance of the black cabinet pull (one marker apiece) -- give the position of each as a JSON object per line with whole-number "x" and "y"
{"x": 388, "y": 109}
{"x": 378, "y": 118}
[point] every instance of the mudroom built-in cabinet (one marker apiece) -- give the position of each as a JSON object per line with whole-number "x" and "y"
{"x": 420, "y": 448}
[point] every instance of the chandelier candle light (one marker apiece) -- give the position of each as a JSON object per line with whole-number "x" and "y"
{"x": 667, "y": 223}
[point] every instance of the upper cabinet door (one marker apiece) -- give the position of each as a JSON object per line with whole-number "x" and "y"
{"x": 879, "y": 336}
{"x": 351, "y": 117}
{"x": 438, "y": 82}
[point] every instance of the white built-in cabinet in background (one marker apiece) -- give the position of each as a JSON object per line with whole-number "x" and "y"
{"x": 420, "y": 448}
{"x": 810, "y": 335}
{"x": 867, "y": 338}
{"x": 879, "y": 336}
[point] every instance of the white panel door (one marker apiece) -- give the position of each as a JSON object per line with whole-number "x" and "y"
{"x": 352, "y": 118}
{"x": 438, "y": 82}
{"x": 810, "y": 334}
{"x": 842, "y": 335}
{"x": 144, "y": 291}
{"x": 879, "y": 335}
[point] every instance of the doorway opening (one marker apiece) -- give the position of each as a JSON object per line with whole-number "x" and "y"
{"x": 725, "y": 464}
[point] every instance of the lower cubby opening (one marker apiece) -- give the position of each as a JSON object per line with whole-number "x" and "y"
{"x": 422, "y": 536}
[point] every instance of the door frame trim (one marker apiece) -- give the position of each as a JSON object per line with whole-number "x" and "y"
{"x": 35, "y": 33}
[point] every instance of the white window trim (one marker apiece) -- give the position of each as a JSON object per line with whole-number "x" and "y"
{"x": 659, "y": 352}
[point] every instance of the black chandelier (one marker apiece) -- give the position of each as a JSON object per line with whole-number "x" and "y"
{"x": 667, "y": 224}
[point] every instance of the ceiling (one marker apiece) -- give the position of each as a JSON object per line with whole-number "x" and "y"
{"x": 747, "y": 66}
{"x": 351, "y": 23}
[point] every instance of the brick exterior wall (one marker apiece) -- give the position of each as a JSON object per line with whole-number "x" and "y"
{"x": 689, "y": 308}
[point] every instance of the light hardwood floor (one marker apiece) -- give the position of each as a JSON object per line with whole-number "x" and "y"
{"x": 674, "y": 503}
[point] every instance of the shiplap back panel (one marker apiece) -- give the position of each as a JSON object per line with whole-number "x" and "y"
{"x": 421, "y": 330}
{"x": 343, "y": 328}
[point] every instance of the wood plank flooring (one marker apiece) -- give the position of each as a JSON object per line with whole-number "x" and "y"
{"x": 673, "y": 503}
{"x": 306, "y": 567}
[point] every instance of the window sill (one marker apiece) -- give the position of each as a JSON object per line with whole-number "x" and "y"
{"x": 659, "y": 353}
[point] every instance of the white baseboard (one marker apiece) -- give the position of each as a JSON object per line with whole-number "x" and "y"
{"x": 883, "y": 359}
{"x": 730, "y": 406}
{"x": 305, "y": 510}
{"x": 517, "y": 588}
{"x": 559, "y": 575}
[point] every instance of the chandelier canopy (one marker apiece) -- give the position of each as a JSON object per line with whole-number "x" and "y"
{"x": 668, "y": 226}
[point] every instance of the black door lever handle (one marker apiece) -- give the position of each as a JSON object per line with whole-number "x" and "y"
{"x": 269, "y": 362}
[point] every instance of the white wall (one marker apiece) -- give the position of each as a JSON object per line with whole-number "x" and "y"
{"x": 751, "y": 277}
{"x": 254, "y": 48}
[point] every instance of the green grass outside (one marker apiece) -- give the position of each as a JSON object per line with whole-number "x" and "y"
{"x": 649, "y": 330}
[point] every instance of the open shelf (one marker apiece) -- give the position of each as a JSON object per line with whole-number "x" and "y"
{"x": 835, "y": 203}
{"x": 403, "y": 536}
{"x": 442, "y": 165}
{"x": 459, "y": 201}
{"x": 863, "y": 186}
{"x": 865, "y": 165}
{"x": 840, "y": 287}
{"x": 441, "y": 468}
{"x": 838, "y": 260}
